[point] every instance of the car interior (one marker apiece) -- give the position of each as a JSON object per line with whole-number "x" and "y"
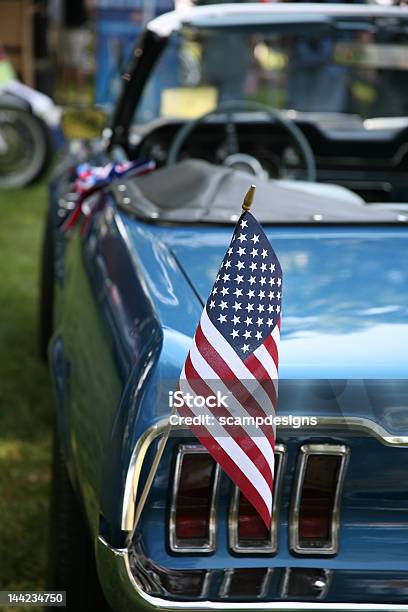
{"x": 370, "y": 162}
{"x": 207, "y": 169}
{"x": 295, "y": 110}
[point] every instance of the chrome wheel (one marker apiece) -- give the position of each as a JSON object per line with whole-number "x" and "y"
{"x": 23, "y": 147}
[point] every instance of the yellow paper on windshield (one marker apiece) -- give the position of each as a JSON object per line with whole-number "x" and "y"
{"x": 6, "y": 72}
{"x": 188, "y": 102}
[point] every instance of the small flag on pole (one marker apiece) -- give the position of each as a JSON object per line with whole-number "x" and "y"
{"x": 235, "y": 352}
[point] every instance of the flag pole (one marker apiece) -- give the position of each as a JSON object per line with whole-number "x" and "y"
{"x": 246, "y": 205}
{"x": 249, "y": 198}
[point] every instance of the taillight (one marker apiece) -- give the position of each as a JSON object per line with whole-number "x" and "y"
{"x": 251, "y": 527}
{"x": 314, "y": 515}
{"x": 192, "y": 512}
{"x": 247, "y": 531}
{"x": 251, "y": 582}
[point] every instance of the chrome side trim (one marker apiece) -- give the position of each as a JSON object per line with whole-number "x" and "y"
{"x": 227, "y": 578}
{"x": 362, "y": 424}
{"x": 174, "y": 543}
{"x": 272, "y": 545}
{"x": 124, "y": 592}
{"x": 133, "y": 474}
{"x": 305, "y": 452}
{"x": 132, "y": 479}
{"x": 319, "y": 595}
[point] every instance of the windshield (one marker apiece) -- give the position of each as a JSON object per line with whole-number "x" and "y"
{"x": 341, "y": 68}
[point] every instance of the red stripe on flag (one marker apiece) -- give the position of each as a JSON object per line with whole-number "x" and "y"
{"x": 272, "y": 349}
{"x": 239, "y": 435}
{"x": 255, "y": 366}
{"x": 228, "y": 377}
{"x": 72, "y": 218}
{"x": 230, "y": 468}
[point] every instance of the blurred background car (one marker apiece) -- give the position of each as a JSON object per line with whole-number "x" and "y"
{"x": 57, "y": 53}
{"x": 26, "y": 119}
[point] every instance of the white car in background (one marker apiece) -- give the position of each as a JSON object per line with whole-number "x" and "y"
{"x": 26, "y": 120}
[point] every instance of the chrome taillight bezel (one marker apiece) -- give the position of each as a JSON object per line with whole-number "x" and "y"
{"x": 271, "y": 546}
{"x": 185, "y": 546}
{"x": 306, "y": 451}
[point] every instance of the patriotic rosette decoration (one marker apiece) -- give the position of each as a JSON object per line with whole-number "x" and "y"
{"x": 89, "y": 179}
{"x": 235, "y": 352}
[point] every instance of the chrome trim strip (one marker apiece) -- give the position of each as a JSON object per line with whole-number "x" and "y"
{"x": 174, "y": 543}
{"x": 206, "y": 583}
{"x": 133, "y": 474}
{"x": 124, "y": 592}
{"x": 143, "y": 443}
{"x": 272, "y": 545}
{"x": 362, "y": 424}
{"x": 227, "y": 578}
{"x": 285, "y": 583}
{"x": 305, "y": 452}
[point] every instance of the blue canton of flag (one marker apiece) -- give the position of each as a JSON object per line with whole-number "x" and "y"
{"x": 245, "y": 302}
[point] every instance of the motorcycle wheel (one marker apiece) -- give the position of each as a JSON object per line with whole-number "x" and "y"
{"x": 25, "y": 147}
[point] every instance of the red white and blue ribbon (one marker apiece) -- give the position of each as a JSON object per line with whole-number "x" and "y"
{"x": 90, "y": 179}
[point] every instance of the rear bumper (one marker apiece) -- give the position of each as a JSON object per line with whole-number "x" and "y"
{"x": 124, "y": 593}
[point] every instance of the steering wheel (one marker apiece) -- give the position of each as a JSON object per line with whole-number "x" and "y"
{"x": 229, "y": 109}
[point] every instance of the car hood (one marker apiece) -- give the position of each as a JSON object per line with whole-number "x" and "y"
{"x": 345, "y": 295}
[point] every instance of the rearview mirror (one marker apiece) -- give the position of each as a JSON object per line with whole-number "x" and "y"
{"x": 83, "y": 124}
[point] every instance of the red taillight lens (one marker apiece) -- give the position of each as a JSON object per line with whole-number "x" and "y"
{"x": 250, "y": 525}
{"x": 191, "y": 520}
{"x": 317, "y": 500}
{"x": 247, "y": 531}
{"x": 314, "y": 520}
{"x": 194, "y": 496}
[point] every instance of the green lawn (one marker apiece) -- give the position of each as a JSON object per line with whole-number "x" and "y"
{"x": 25, "y": 396}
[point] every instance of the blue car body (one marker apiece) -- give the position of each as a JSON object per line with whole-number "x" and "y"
{"x": 128, "y": 297}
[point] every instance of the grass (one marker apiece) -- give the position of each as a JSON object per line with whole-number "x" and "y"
{"x": 25, "y": 396}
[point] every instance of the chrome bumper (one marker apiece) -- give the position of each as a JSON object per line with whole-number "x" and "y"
{"x": 124, "y": 593}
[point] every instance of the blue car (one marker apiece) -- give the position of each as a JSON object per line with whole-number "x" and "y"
{"x": 309, "y": 102}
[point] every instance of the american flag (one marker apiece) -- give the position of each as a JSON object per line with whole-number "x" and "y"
{"x": 235, "y": 351}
